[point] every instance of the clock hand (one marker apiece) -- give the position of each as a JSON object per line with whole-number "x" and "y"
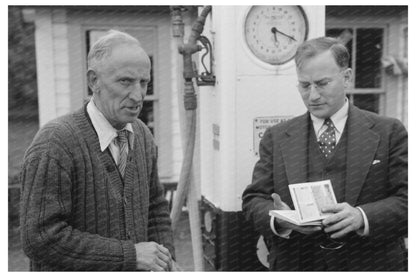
{"x": 275, "y": 37}
{"x": 276, "y": 42}
{"x": 274, "y": 31}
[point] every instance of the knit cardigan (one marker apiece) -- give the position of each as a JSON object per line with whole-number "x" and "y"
{"x": 77, "y": 212}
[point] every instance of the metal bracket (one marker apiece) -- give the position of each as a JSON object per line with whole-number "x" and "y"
{"x": 206, "y": 78}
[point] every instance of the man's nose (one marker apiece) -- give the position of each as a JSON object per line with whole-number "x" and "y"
{"x": 138, "y": 92}
{"x": 314, "y": 94}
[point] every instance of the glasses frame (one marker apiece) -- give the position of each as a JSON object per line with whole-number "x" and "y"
{"x": 319, "y": 87}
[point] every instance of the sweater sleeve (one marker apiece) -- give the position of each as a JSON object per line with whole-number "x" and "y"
{"x": 159, "y": 227}
{"x": 46, "y": 234}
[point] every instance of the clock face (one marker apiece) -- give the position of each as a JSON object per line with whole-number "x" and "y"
{"x": 273, "y": 33}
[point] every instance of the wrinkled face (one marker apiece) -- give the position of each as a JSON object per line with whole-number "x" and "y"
{"x": 322, "y": 84}
{"x": 120, "y": 84}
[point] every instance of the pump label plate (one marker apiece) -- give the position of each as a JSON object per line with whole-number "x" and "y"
{"x": 260, "y": 124}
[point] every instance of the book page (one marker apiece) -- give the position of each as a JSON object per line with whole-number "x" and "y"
{"x": 309, "y": 198}
{"x": 293, "y": 217}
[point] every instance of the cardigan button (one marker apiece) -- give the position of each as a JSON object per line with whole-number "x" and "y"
{"x": 110, "y": 168}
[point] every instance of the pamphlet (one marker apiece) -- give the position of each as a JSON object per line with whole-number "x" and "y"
{"x": 308, "y": 198}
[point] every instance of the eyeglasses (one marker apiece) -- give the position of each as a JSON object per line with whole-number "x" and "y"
{"x": 320, "y": 85}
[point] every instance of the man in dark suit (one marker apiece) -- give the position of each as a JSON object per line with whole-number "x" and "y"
{"x": 363, "y": 154}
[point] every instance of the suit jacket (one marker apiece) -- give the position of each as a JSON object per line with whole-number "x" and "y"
{"x": 376, "y": 180}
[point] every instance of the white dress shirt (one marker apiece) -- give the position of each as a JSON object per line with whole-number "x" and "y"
{"x": 106, "y": 132}
{"x": 339, "y": 120}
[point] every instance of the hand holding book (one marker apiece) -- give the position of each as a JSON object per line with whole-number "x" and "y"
{"x": 283, "y": 223}
{"x": 308, "y": 199}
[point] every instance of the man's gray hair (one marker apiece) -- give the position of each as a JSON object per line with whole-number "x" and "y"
{"x": 103, "y": 46}
{"x": 316, "y": 46}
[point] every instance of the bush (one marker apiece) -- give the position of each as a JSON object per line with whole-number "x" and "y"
{"x": 22, "y": 62}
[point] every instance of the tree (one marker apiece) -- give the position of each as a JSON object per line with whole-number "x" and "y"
{"x": 22, "y": 63}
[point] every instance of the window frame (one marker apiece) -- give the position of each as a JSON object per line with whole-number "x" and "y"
{"x": 347, "y": 24}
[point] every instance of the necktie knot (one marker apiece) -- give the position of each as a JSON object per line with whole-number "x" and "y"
{"x": 328, "y": 122}
{"x": 122, "y": 137}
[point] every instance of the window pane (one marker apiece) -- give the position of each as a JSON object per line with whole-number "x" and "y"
{"x": 368, "y": 58}
{"x": 369, "y": 102}
{"x": 147, "y": 116}
{"x": 346, "y": 36}
{"x": 150, "y": 84}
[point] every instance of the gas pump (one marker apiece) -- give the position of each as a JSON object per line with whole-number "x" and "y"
{"x": 255, "y": 87}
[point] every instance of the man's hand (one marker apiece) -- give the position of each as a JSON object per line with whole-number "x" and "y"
{"x": 278, "y": 203}
{"x": 345, "y": 219}
{"x": 175, "y": 267}
{"x": 152, "y": 256}
{"x": 284, "y": 225}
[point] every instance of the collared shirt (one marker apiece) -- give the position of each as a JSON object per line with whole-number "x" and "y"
{"x": 339, "y": 119}
{"x": 106, "y": 132}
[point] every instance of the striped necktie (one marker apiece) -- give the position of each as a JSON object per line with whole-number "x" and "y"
{"x": 327, "y": 139}
{"x": 123, "y": 144}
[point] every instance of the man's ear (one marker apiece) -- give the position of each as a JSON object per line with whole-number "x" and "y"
{"x": 93, "y": 81}
{"x": 348, "y": 78}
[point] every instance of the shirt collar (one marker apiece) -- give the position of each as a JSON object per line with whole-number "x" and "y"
{"x": 105, "y": 131}
{"x": 339, "y": 119}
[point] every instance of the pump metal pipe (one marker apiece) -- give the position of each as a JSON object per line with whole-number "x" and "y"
{"x": 190, "y": 103}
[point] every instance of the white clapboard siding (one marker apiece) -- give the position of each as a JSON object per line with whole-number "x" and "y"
{"x": 45, "y": 65}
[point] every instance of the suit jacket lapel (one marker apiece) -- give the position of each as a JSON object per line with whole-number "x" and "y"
{"x": 295, "y": 150}
{"x": 362, "y": 144}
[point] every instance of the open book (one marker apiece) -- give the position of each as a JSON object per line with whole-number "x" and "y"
{"x": 308, "y": 199}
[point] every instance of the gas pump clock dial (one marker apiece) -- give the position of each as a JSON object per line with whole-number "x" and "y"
{"x": 273, "y": 33}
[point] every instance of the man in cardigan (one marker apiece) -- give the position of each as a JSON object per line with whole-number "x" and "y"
{"x": 91, "y": 196}
{"x": 364, "y": 156}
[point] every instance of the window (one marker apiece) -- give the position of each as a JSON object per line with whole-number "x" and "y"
{"x": 365, "y": 45}
{"x": 147, "y": 113}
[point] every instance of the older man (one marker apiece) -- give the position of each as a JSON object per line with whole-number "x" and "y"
{"x": 363, "y": 154}
{"x": 91, "y": 195}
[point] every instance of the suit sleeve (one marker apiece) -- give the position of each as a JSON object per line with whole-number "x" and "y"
{"x": 257, "y": 199}
{"x": 388, "y": 217}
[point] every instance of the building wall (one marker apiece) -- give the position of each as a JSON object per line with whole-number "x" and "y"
{"x": 61, "y": 64}
{"x": 52, "y": 64}
{"x": 394, "y": 19}
{"x": 61, "y": 52}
